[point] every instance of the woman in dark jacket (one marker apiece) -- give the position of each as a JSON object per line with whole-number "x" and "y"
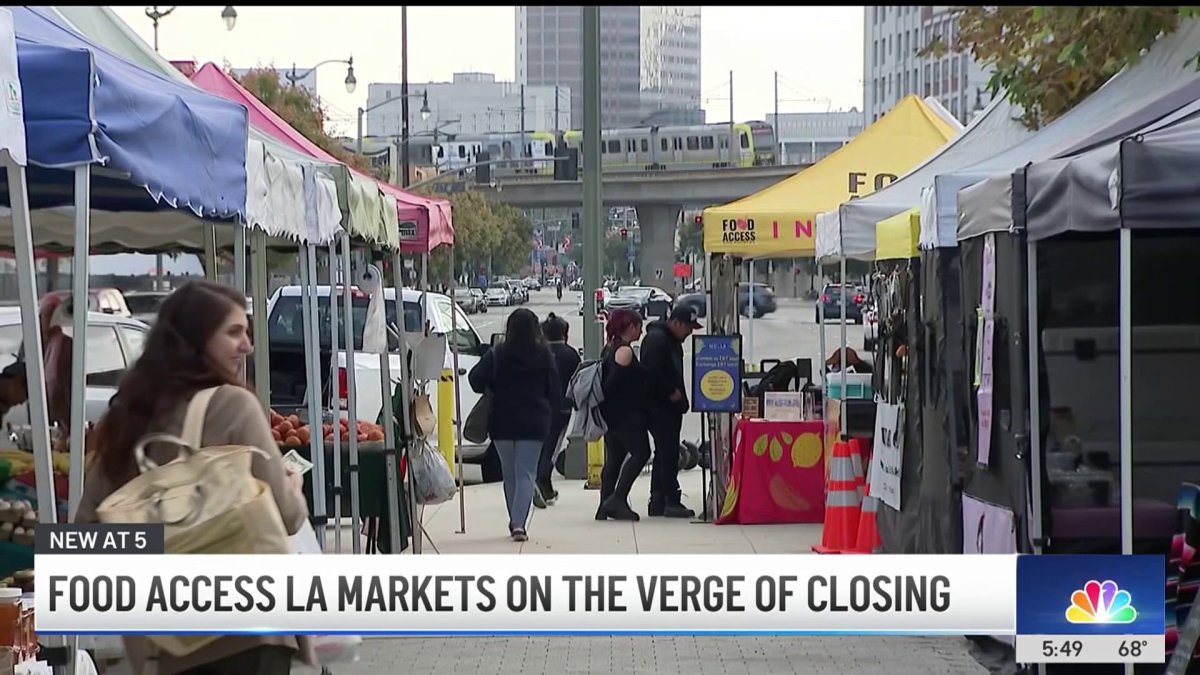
{"x": 526, "y": 392}
{"x": 567, "y": 360}
{"x": 627, "y": 442}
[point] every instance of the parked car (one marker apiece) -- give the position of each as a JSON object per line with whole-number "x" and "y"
{"x": 646, "y": 300}
{"x": 498, "y": 296}
{"x": 105, "y": 300}
{"x": 286, "y": 340}
{"x": 517, "y": 290}
{"x": 603, "y": 295}
{"x": 532, "y": 283}
{"x": 480, "y": 299}
{"x": 113, "y": 343}
{"x": 697, "y": 301}
{"x": 831, "y": 302}
{"x": 466, "y": 300}
{"x": 143, "y": 305}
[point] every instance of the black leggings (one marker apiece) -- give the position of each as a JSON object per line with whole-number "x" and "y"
{"x": 558, "y": 425}
{"x": 626, "y": 451}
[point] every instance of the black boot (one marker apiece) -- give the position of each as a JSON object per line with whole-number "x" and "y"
{"x": 617, "y": 509}
{"x": 675, "y": 508}
{"x": 658, "y": 504}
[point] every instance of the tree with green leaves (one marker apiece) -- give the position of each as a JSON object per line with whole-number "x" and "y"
{"x": 1048, "y": 59}
{"x": 301, "y": 109}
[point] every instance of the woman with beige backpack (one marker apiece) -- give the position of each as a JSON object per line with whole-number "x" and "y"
{"x": 187, "y": 383}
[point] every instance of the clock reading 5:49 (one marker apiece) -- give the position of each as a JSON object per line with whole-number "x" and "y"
{"x": 1067, "y": 648}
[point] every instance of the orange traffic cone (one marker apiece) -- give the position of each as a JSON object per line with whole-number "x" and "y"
{"x": 859, "y": 458}
{"x": 842, "y": 505}
{"x": 868, "y": 540}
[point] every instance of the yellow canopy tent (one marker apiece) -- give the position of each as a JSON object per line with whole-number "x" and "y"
{"x": 778, "y": 221}
{"x": 896, "y": 237}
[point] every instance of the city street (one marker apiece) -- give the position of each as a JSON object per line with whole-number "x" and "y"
{"x": 568, "y": 527}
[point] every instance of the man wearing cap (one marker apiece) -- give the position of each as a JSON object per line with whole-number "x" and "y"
{"x": 662, "y": 359}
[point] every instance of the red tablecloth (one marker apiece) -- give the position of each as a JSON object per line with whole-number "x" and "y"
{"x": 778, "y": 474}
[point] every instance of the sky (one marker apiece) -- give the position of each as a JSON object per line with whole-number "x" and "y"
{"x": 817, "y": 51}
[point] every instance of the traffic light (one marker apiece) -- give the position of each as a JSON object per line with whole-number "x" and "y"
{"x": 624, "y": 234}
{"x": 699, "y": 220}
{"x": 575, "y": 221}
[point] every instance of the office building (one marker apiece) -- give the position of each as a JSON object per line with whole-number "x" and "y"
{"x": 809, "y": 137}
{"x": 649, "y": 59}
{"x": 892, "y": 36}
{"x": 471, "y": 103}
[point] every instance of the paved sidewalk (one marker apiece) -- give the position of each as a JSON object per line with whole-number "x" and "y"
{"x": 717, "y": 655}
{"x": 569, "y": 527}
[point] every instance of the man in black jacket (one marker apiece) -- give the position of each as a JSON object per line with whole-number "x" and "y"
{"x": 662, "y": 359}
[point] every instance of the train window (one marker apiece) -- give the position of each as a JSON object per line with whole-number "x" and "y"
{"x": 549, "y": 149}
{"x": 663, "y": 144}
{"x": 630, "y": 145}
{"x": 693, "y": 143}
{"x": 706, "y": 142}
{"x": 462, "y": 152}
{"x": 724, "y": 142}
{"x": 678, "y": 143}
{"x": 745, "y": 140}
{"x": 614, "y": 146}
{"x": 646, "y": 145}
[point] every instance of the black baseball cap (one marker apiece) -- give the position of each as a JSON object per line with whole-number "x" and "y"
{"x": 686, "y": 315}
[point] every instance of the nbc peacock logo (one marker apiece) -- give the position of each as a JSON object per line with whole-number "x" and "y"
{"x": 1101, "y": 602}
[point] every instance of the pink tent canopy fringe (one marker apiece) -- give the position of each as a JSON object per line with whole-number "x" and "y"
{"x": 432, "y": 216}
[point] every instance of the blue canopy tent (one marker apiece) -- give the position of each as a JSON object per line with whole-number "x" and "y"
{"x": 157, "y": 146}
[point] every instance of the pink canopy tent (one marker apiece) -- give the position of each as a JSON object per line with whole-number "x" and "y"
{"x": 432, "y": 216}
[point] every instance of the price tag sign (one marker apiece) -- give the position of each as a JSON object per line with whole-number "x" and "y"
{"x": 1090, "y": 609}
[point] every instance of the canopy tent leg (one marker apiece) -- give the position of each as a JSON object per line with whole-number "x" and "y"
{"x": 405, "y": 385}
{"x": 1035, "y": 400}
{"x": 80, "y": 276}
{"x": 262, "y": 362}
{"x": 351, "y": 395}
{"x": 31, "y": 335}
{"x": 333, "y": 386}
{"x": 239, "y": 269}
{"x": 1126, "y": 339}
{"x": 842, "y": 353}
{"x": 821, "y": 361}
{"x": 312, "y": 351}
{"x": 210, "y": 252}
{"x": 457, "y": 380}
{"x": 750, "y": 314}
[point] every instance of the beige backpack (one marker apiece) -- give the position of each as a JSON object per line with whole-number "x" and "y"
{"x": 207, "y": 498}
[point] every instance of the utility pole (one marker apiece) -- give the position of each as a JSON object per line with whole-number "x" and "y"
{"x": 592, "y": 185}
{"x": 404, "y": 97}
{"x": 732, "y": 135}
{"x": 556, "y": 127}
{"x": 778, "y": 138}
{"x": 521, "y": 152}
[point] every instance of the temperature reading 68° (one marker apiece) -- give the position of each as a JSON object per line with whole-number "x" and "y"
{"x": 1132, "y": 647}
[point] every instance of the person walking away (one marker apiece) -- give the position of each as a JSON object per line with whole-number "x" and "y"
{"x": 566, "y": 360}
{"x": 662, "y": 358}
{"x": 197, "y": 343}
{"x": 626, "y": 443}
{"x": 558, "y": 287}
{"x": 526, "y": 392}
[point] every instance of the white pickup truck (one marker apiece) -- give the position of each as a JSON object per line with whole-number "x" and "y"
{"x": 286, "y": 344}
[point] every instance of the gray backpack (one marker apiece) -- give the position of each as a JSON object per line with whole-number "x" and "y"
{"x": 586, "y": 393}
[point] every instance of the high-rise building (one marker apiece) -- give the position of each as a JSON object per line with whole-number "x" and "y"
{"x": 670, "y": 60}
{"x": 649, "y": 58}
{"x": 892, "y": 36}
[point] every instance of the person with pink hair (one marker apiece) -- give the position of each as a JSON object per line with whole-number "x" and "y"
{"x": 627, "y": 441}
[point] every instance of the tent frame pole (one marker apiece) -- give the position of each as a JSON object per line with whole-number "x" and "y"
{"x": 1035, "y": 402}
{"x": 1126, "y": 360}
{"x": 351, "y": 397}
{"x": 842, "y": 353}
{"x": 334, "y": 385}
{"x": 80, "y": 276}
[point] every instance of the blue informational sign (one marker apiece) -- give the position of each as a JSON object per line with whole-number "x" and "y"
{"x": 716, "y": 373}
{"x": 1090, "y": 595}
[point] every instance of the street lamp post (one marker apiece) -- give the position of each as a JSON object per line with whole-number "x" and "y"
{"x": 425, "y": 113}
{"x": 351, "y": 81}
{"x": 157, "y": 15}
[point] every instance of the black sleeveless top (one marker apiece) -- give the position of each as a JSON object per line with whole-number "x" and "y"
{"x": 624, "y": 390}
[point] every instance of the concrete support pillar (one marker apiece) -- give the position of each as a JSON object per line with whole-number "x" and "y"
{"x": 657, "y": 252}
{"x": 784, "y": 279}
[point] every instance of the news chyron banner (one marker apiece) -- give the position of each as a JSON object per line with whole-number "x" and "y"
{"x": 116, "y": 580}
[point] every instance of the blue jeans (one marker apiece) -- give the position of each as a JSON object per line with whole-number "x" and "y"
{"x": 519, "y": 464}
